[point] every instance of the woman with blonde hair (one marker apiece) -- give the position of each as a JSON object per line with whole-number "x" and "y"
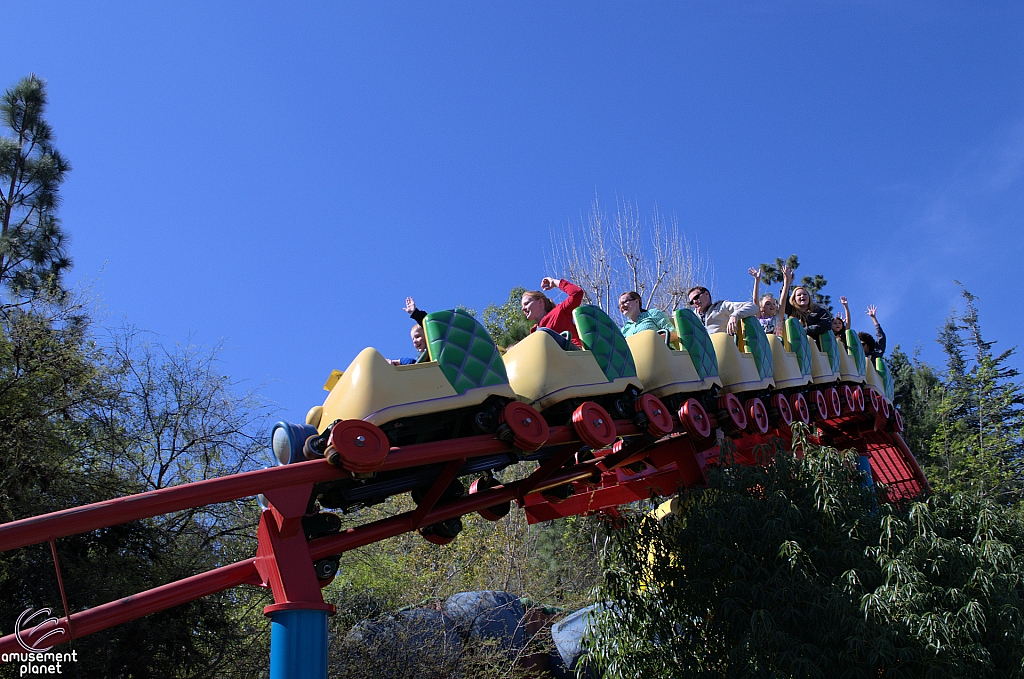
{"x": 815, "y": 318}
{"x": 556, "y": 318}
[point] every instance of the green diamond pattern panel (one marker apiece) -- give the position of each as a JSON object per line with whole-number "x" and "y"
{"x": 604, "y": 339}
{"x": 695, "y": 339}
{"x": 883, "y": 372}
{"x": 758, "y": 346}
{"x": 463, "y": 349}
{"x": 856, "y": 350}
{"x": 799, "y": 345}
{"x": 830, "y": 347}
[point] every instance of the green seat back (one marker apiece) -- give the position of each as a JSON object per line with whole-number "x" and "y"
{"x": 463, "y": 349}
{"x": 830, "y": 347}
{"x": 856, "y": 351}
{"x": 697, "y": 343}
{"x": 799, "y": 345}
{"x": 604, "y": 339}
{"x": 756, "y": 344}
{"x": 883, "y": 372}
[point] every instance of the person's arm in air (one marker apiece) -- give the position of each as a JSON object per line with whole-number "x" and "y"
{"x": 415, "y": 314}
{"x": 756, "y": 273}
{"x": 780, "y": 315}
{"x": 574, "y": 292}
{"x": 846, "y": 312}
{"x": 879, "y": 333}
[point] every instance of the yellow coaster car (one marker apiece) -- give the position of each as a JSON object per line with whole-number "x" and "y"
{"x": 666, "y": 371}
{"x": 465, "y": 379}
{"x": 791, "y": 356}
{"x": 744, "y": 361}
{"x": 825, "y": 358}
{"x": 545, "y": 375}
{"x": 851, "y": 360}
{"x": 877, "y": 377}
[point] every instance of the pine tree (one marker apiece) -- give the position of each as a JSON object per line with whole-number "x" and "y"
{"x": 978, "y": 445}
{"x": 772, "y": 273}
{"x": 32, "y": 244}
{"x": 918, "y": 389}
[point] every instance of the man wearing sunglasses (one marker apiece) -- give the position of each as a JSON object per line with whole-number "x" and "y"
{"x": 721, "y": 316}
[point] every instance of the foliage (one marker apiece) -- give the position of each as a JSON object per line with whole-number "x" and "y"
{"x": 793, "y": 570}
{"x": 58, "y": 388}
{"x": 978, "y": 442}
{"x": 505, "y": 322}
{"x": 556, "y": 563}
{"x": 917, "y": 389}
{"x": 33, "y": 251}
{"x": 772, "y": 273}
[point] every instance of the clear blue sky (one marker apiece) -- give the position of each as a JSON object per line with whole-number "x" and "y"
{"x": 282, "y": 178}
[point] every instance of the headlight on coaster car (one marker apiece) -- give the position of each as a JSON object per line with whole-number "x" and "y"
{"x": 286, "y": 440}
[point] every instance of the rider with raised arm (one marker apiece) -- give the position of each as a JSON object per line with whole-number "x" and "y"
{"x": 841, "y": 323}
{"x": 419, "y": 339}
{"x": 769, "y": 312}
{"x": 874, "y": 347}
{"x": 815, "y": 318}
{"x": 556, "y": 318}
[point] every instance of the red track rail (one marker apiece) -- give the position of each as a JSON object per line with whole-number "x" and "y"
{"x": 635, "y": 469}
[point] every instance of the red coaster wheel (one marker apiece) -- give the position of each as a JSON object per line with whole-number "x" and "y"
{"x": 359, "y": 446}
{"x": 897, "y": 421}
{"x": 758, "y": 421}
{"x": 833, "y": 401}
{"x": 781, "y": 405}
{"x": 885, "y": 408}
{"x": 442, "y": 533}
{"x": 849, "y": 399}
{"x": 730, "y": 414}
{"x": 800, "y": 410}
{"x": 529, "y": 430}
{"x": 594, "y": 425}
{"x": 858, "y": 393}
{"x": 490, "y": 513}
{"x": 659, "y": 421}
{"x": 819, "y": 406}
{"x": 874, "y": 403}
{"x": 694, "y": 419}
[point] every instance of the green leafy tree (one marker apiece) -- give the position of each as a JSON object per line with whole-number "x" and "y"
{"x": 978, "y": 443}
{"x": 505, "y": 322}
{"x": 917, "y": 388}
{"x": 793, "y": 570}
{"x": 33, "y": 251}
{"x": 772, "y": 273}
{"x": 62, "y": 448}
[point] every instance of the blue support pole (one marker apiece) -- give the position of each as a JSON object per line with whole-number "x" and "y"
{"x": 298, "y": 644}
{"x": 864, "y": 465}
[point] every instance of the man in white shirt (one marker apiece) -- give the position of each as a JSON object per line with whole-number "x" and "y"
{"x": 721, "y": 316}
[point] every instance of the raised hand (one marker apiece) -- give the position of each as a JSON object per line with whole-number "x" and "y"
{"x": 755, "y": 272}
{"x": 410, "y": 305}
{"x": 548, "y": 283}
{"x": 872, "y": 309}
{"x": 842, "y": 300}
{"x": 788, "y": 273}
